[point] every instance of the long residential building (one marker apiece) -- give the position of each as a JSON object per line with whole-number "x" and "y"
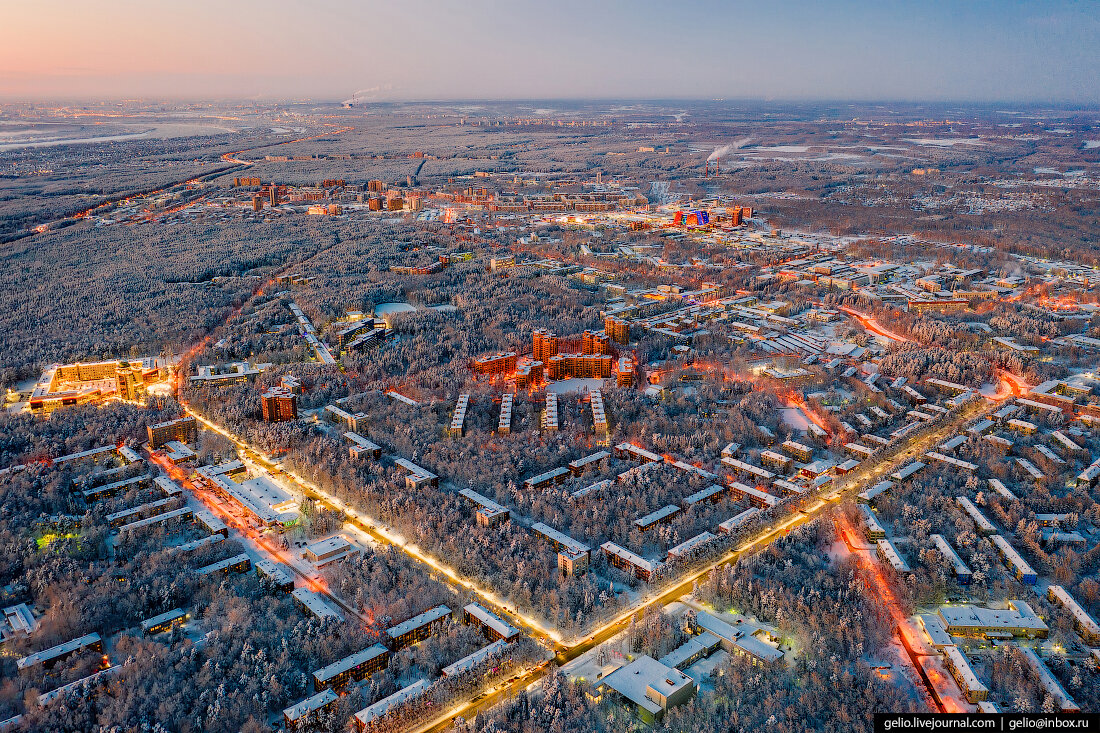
{"x": 314, "y": 605}
{"x": 984, "y": 525}
{"x": 1024, "y": 572}
{"x": 472, "y": 661}
{"x": 962, "y": 572}
{"x": 54, "y": 654}
{"x": 371, "y": 713}
{"x": 624, "y": 559}
{"x": 355, "y": 667}
{"x": 959, "y": 666}
{"x": 494, "y": 627}
{"x": 418, "y": 627}
{"x": 299, "y": 712}
{"x": 1084, "y": 623}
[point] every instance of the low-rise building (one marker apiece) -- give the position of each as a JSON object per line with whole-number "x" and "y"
{"x": 650, "y": 687}
{"x": 989, "y": 623}
{"x": 418, "y": 628}
{"x": 494, "y": 627}
{"x": 355, "y": 667}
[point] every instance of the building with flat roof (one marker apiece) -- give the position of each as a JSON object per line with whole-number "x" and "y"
{"x": 184, "y": 429}
{"x": 957, "y": 663}
{"x": 1024, "y": 572}
{"x": 355, "y": 666}
{"x": 504, "y": 423}
{"x": 595, "y": 460}
{"x": 553, "y": 476}
{"x": 237, "y": 564}
{"x": 737, "y": 520}
{"x": 1049, "y": 682}
{"x": 418, "y": 628}
{"x": 329, "y": 550}
{"x": 962, "y": 572}
{"x": 18, "y": 621}
{"x": 458, "y": 420}
{"x": 757, "y": 497}
{"x": 690, "y": 548}
{"x": 983, "y": 525}
{"x": 279, "y": 404}
{"x": 238, "y": 371}
{"x": 260, "y": 496}
{"x": 415, "y": 476}
{"x": 488, "y": 513}
{"x": 990, "y": 623}
{"x": 875, "y": 530}
{"x": 661, "y": 516}
{"x": 276, "y": 574}
{"x": 358, "y": 446}
{"x": 649, "y": 686}
{"x": 890, "y": 554}
{"x": 691, "y": 651}
{"x": 737, "y": 641}
{"x": 210, "y": 523}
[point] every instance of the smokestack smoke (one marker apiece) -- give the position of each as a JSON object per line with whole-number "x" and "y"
{"x": 719, "y": 152}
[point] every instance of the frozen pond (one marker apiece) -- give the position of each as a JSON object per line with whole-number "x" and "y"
{"x": 944, "y": 142}
{"x": 385, "y": 309}
{"x": 574, "y": 385}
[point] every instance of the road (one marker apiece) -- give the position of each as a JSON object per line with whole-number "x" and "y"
{"x": 873, "y": 325}
{"x": 565, "y": 651}
{"x": 244, "y": 531}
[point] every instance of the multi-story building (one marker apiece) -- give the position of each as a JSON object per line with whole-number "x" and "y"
{"x": 624, "y": 372}
{"x": 544, "y": 345}
{"x": 585, "y": 366}
{"x": 617, "y": 329}
{"x": 418, "y": 627}
{"x": 499, "y": 363}
{"x": 529, "y": 374}
{"x": 279, "y": 405}
{"x": 595, "y": 342}
{"x": 491, "y": 625}
{"x": 357, "y": 666}
{"x": 184, "y": 429}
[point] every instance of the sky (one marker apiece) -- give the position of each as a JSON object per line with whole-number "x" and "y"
{"x": 928, "y": 50}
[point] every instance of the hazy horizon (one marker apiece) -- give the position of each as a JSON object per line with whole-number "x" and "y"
{"x": 924, "y": 52}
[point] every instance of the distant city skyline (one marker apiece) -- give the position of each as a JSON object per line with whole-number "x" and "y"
{"x": 930, "y": 50}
